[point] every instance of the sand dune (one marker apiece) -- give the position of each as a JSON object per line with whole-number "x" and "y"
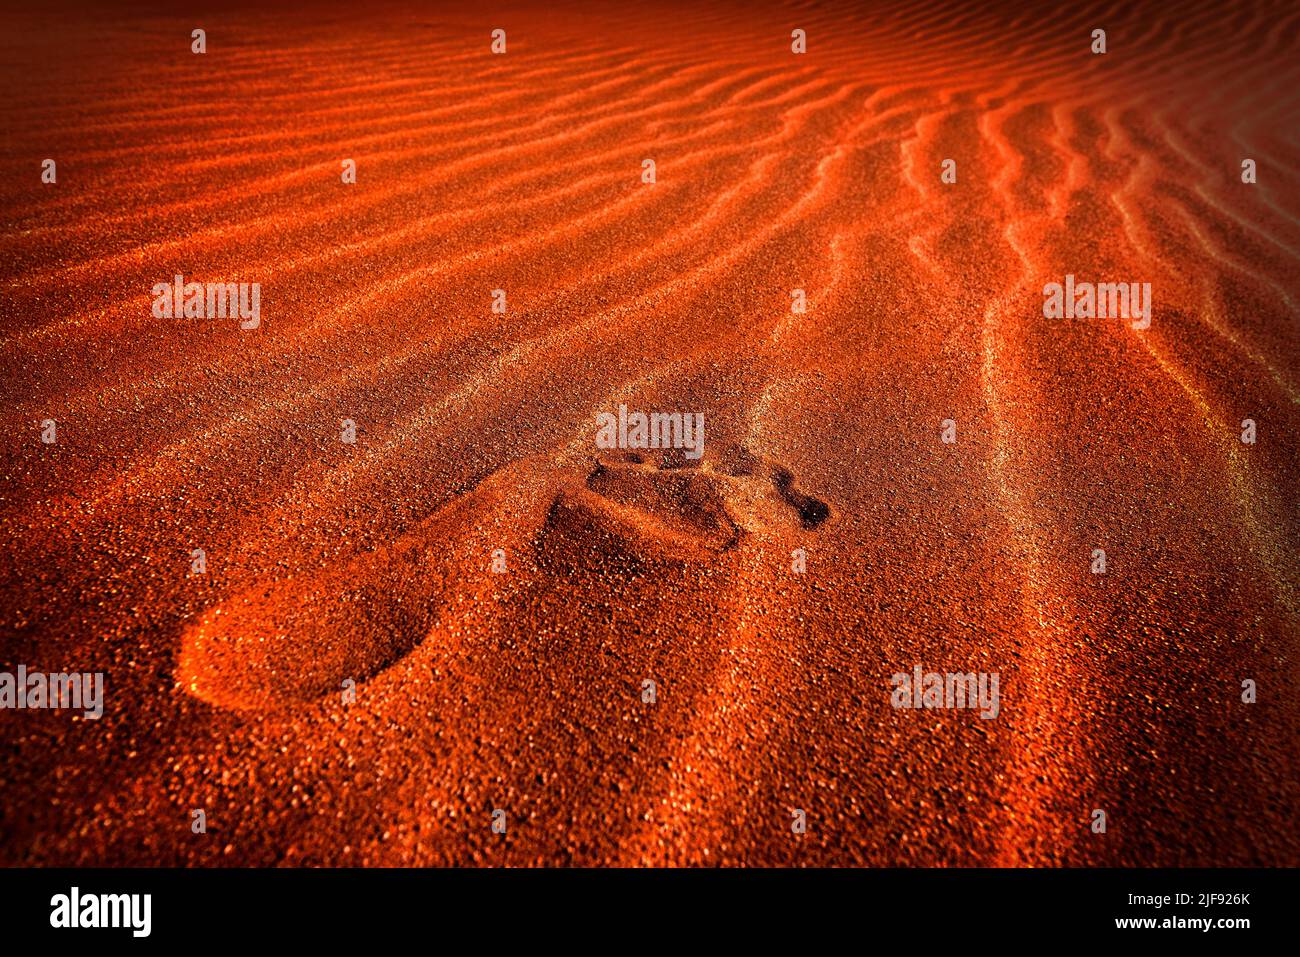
{"x": 377, "y": 564}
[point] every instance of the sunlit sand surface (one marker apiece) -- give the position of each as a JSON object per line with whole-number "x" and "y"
{"x": 372, "y": 562}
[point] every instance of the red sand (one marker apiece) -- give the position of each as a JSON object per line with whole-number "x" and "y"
{"x": 522, "y": 691}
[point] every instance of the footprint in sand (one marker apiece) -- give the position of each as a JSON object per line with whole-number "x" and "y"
{"x": 271, "y": 648}
{"x": 275, "y": 647}
{"x": 664, "y": 506}
{"x": 282, "y": 644}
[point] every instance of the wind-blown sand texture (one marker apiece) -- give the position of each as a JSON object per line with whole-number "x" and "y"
{"x": 475, "y": 432}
